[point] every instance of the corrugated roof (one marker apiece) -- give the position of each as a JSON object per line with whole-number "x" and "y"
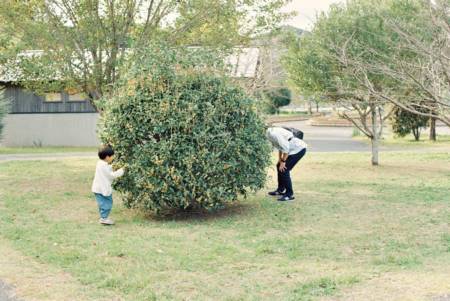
{"x": 243, "y": 63}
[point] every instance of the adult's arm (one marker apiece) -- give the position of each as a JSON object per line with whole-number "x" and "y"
{"x": 282, "y": 164}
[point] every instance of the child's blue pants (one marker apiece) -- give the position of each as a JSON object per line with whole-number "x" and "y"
{"x": 104, "y": 204}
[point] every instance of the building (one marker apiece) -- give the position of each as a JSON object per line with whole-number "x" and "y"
{"x": 50, "y": 119}
{"x": 62, "y": 119}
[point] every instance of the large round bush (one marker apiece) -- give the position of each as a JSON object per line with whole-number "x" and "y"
{"x": 187, "y": 137}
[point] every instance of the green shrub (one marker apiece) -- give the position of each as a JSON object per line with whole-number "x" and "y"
{"x": 404, "y": 122}
{"x": 277, "y": 98}
{"x": 187, "y": 137}
{"x": 356, "y": 132}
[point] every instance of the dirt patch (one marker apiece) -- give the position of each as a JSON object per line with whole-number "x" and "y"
{"x": 35, "y": 281}
{"x": 403, "y": 285}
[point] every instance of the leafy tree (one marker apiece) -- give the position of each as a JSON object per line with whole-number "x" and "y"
{"x": 416, "y": 35}
{"x": 405, "y": 122}
{"x": 418, "y": 60}
{"x": 278, "y": 98}
{"x": 317, "y": 64}
{"x": 187, "y": 137}
{"x": 227, "y": 23}
{"x": 83, "y": 43}
{"x": 338, "y": 60}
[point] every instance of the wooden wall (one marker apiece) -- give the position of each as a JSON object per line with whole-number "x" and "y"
{"x": 25, "y": 102}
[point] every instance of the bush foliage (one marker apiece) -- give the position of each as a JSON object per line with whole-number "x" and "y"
{"x": 187, "y": 137}
{"x": 277, "y": 98}
{"x": 404, "y": 122}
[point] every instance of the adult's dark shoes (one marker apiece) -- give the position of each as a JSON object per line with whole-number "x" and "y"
{"x": 275, "y": 193}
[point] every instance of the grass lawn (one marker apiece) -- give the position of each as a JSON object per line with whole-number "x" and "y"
{"x": 389, "y": 140}
{"x": 43, "y": 150}
{"x": 287, "y": 117}
{"x": 441, "y": 140}
{"x": 354, "y": 232}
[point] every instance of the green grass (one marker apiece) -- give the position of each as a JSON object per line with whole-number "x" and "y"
{"x": 408, "y": 140}
{"x": 320, "y": 287}
{"x": 390, "y": 140}
{"x": 286, "y": 117}
{"x": 351, "y": 223}
{"x": 292, "y": 113}
{"x": 42, "y": 150}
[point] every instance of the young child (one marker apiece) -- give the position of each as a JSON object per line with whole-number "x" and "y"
{"x": 101, "y": 187}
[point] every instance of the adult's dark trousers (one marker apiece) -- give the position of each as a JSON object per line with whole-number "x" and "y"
{"x": 284, "y": 178}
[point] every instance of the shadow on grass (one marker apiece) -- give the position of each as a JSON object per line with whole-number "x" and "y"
{"x": 228, "y": 211}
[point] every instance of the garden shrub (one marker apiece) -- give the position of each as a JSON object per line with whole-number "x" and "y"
{"x": 187, "y": 137}
{"x": 404, "y": 122}
{"x": 277, "y": 98}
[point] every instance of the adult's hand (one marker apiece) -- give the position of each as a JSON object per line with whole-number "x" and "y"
{"x": 282, "y": 166}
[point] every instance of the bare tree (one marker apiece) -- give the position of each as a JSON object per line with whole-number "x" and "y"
{"x": 418, "y": 68}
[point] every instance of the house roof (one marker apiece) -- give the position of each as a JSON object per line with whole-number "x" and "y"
{"x": 243, "y": 63}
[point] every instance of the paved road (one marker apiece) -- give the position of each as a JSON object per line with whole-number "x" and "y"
{"x": 328, "y": 139}
{"x": 339, "y": 139}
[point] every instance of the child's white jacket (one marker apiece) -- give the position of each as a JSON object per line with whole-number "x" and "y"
{"x": 104, "y": 175}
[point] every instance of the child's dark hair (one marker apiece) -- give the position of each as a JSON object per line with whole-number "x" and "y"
{"x": 105, "y": 151}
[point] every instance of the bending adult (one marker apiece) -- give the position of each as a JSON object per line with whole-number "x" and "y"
{"x": 290, "y": 150}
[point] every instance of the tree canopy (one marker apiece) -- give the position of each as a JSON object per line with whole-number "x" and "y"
{"x": 82, "y": 44}
{"x": 360, "y": 55}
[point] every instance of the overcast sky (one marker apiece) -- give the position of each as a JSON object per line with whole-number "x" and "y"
{"x": 306, "y": 11}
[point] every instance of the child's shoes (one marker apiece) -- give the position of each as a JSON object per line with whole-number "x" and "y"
{"x": 106, "y": 221}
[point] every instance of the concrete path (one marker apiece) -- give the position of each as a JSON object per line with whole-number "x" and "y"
{"x": 46, "y": 156}
{"x": 6, "y": 293}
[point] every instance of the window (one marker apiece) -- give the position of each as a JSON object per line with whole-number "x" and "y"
{"x": 78, "y": 97}
{"x": 53, "y": 97}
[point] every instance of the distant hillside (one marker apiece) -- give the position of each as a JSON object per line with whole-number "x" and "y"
{"x": 277, "y": 36}
{"x": 293, "y": 29}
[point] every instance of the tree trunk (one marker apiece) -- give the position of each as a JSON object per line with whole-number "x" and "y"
{"x": 94, "y": 95}
{"x": 374, "y": 138}
{"x": 317, "y": 107}
{"x": 433, "y": 129}
{"x": 310, "y": 107}
{"x": 416, "y": 133}
{"x": 374, "y": 141}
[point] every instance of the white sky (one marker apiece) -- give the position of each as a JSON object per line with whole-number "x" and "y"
{"x": 306, "y": 11}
